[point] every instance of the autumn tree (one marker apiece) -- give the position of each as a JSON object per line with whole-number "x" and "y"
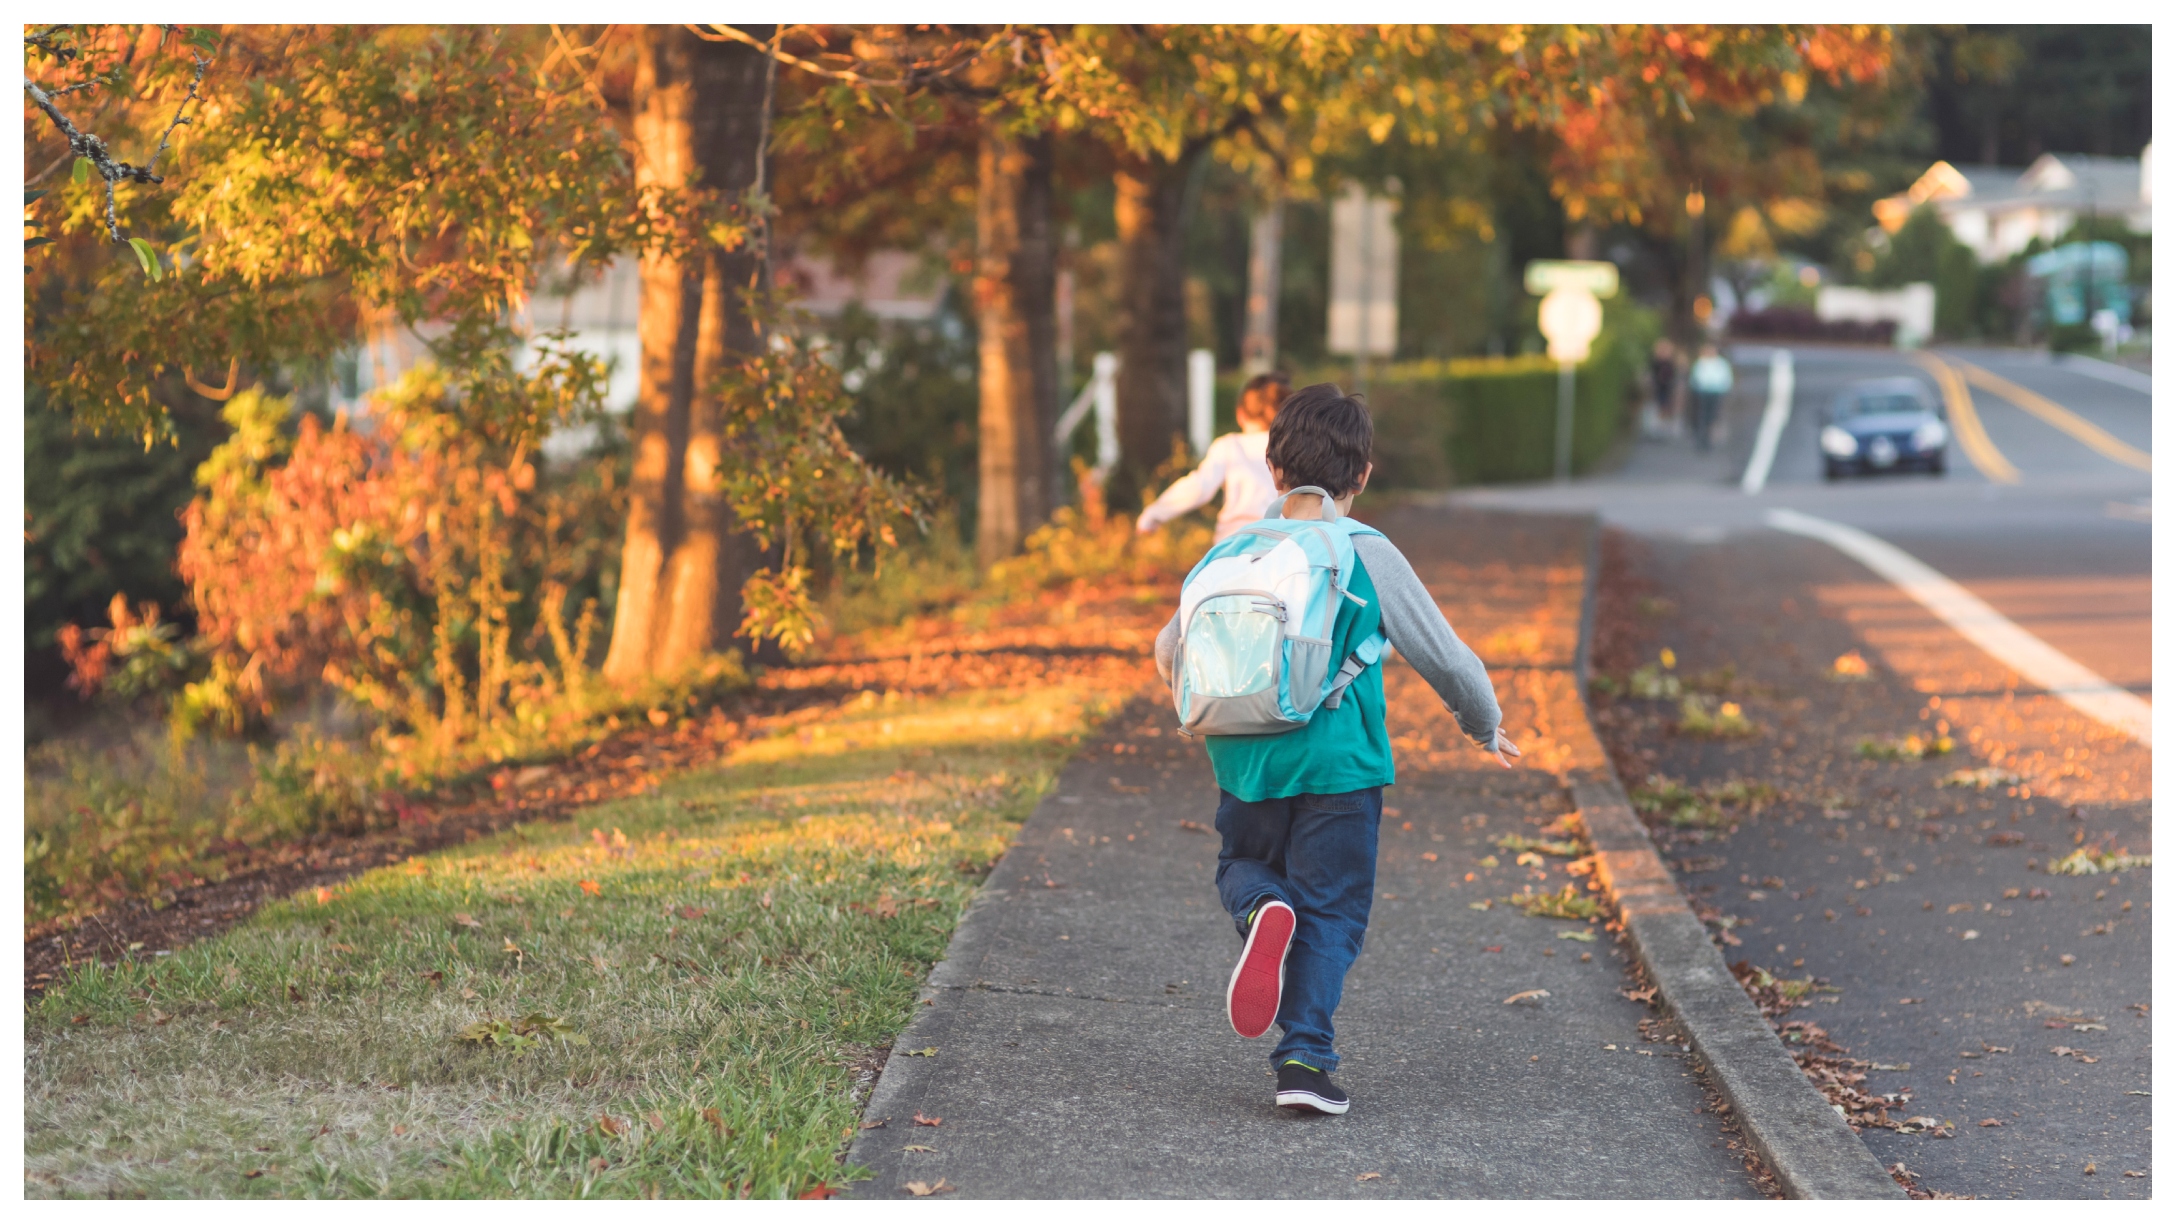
{"x": 701, "y": 120}
{"x": 332, "y": 180}
{"x": 887, "y": 84}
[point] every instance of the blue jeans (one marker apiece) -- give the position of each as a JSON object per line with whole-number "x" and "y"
{"x": 1315, "y": 853}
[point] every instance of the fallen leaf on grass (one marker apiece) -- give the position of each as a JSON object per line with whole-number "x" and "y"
{"x": 466, "y": 920}
{"x": 611, "y": 1125}
{"x": 714, "y": 1120}
{"x": 593, "y": 888}
{"x": 1526, "y": 995}
{"x": 1369, "y": 1177}
{"x": 253, "y": 1175}
{"x": 920, "y": 1120}
{"x": 80, "y": 1018}
{"x": 925, "y": 1189}
{"x": 821, "y": 1190}
{"x": 765, "y": 899}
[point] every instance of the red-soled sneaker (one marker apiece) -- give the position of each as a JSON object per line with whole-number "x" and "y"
{"x": 1257, "y": 985}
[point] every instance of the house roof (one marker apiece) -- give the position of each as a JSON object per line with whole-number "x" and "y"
{"x": 2078, "y": 180}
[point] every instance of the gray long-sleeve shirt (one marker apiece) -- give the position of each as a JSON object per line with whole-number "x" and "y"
{"x": 1415, "y": 626}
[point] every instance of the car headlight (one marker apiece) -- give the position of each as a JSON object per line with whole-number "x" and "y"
{"x": 1930, "y": 436}
{"x": 1839, "y": 442}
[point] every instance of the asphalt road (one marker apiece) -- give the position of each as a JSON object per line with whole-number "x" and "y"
{"x": 1870, "y": 873}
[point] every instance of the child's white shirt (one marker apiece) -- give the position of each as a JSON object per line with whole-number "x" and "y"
{"x": 1237, "y": 465}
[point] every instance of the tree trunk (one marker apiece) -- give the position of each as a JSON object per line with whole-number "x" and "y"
{"x": 1151, "y": 322}
{"x": 1015, "y": 313}
{"x": 700, "y": 116}
{"x": 1265, "y": 280}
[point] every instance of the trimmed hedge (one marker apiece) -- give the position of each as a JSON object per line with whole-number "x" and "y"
{"x": 1493, "y": 419}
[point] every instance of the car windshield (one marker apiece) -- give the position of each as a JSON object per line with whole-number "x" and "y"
{"x": 1879, "y": 403}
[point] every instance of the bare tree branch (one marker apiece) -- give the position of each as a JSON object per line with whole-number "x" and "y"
{"x": 92, "y": 149}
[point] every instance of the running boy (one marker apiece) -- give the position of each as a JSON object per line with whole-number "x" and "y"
{"x": 1299, "y": 810}
{"x": 1234, "y": 464}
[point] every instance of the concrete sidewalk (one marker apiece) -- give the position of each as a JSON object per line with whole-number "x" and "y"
{"x": 1074, "y": 1044}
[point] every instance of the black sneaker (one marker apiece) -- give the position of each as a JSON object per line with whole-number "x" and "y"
{"x": 1300, "y": 1086}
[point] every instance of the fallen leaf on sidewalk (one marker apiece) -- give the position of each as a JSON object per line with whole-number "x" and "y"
{"x": 874, "y": 1125}
{"x": 1581, "y": 936}
{"x": 925, "y": 1189}
{"x": 1638, "y": 996}
{"x": 1369, "y": 1177}
{"x": 1990, "y": 1121}
{"x": 917, "y": 1147}
{"x": 924, "y": 1052}
{"x": 1525, "y": 995}
{"x": 920, "y": 1120}
{"x": 1195, "y": 826}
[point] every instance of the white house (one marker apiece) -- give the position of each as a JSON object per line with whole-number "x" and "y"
{"x": 1996, "y": 211}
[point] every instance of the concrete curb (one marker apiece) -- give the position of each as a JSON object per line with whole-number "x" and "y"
{"x": 1813, "y": 1152}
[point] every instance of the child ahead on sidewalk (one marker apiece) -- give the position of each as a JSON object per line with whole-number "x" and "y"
{"x": 1300, "y": 808}
{"x": 1233, "y": 464}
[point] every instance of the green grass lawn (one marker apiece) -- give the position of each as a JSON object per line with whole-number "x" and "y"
{"x": 712, "y": 965}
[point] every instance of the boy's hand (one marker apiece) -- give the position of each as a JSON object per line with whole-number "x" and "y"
{"x": 1505, "y": 750}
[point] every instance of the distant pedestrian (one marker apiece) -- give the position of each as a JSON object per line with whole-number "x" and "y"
{"x": 1277, "y": 664}
{"x": 1662, "y": 372}
{"x": 1233, "y": 465}
{"x": 1710, "y": 382}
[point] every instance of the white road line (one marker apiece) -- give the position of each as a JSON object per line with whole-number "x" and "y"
{"x": 2106, "y": 371}
{"x": 1781, "y": 378}
{"x": 2039, "y": 663}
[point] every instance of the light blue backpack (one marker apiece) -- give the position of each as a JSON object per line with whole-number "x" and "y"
{"x": 1256, "y": 618}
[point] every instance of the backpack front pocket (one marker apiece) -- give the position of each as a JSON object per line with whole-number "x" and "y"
{"x": 1234, "y": 646}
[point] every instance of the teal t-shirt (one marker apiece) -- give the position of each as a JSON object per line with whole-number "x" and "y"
{"x": 1340, "y": 750}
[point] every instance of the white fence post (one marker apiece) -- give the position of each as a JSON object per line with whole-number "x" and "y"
{"x": 1200, "y": 399}
{"x": 1106, "y": 389}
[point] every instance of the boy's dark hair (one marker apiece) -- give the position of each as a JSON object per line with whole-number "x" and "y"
{"x": 1322, "y": 437}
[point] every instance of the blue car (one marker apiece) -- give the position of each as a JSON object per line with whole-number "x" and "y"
{"x": 1884, "y": 425}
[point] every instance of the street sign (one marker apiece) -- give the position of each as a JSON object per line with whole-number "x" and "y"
{"x": 1570, "y": 320}
{"x": 1595, "y": 276}
{"x": 1363, "y": 274}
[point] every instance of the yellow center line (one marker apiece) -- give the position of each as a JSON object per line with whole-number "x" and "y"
{"x": 2060, "y": 417}
{"x": 1971, "y": 435}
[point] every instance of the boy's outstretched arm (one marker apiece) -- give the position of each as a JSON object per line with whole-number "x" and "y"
{"x": 1189, "y": 492}
{"x": 1415, "y": 625}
